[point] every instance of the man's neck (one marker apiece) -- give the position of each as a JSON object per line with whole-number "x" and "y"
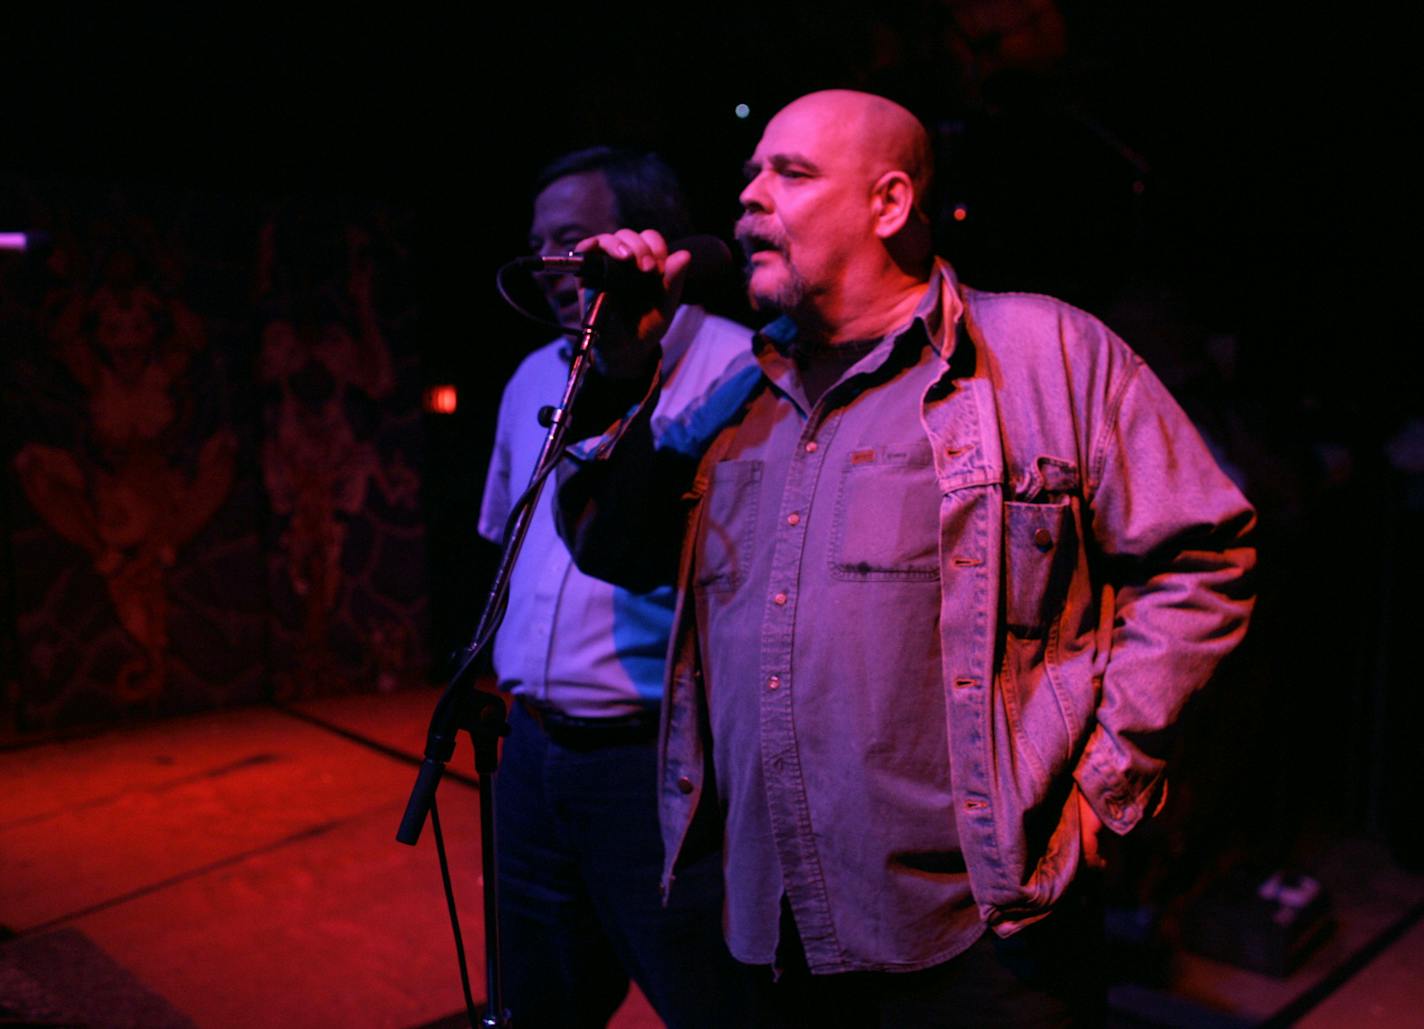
{"x": 866, "y": 312}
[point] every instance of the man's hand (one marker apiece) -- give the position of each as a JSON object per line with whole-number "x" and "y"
{"x": 630, "y": 335}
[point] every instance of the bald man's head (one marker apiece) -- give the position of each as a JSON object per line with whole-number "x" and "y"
{"x": 881, "y": 134}
{"x": 833, "y": 211}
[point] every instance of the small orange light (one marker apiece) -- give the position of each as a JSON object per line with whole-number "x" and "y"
{"x": 960, "y": 212}
{"x": 441, "y": 400}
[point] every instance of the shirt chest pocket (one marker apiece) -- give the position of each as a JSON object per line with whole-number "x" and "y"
{"x": 886, "y": 523}
{"x": 727, "y": 525}
{"x": 1040, "y": 551}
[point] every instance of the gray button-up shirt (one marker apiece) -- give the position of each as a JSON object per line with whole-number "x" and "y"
{"x": 817, "y": 592}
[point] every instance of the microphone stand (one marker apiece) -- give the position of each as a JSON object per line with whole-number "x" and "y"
{"x": 481, "y": 713}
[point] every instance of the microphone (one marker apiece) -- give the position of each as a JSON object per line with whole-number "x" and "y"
{"x": 710, "y": 260}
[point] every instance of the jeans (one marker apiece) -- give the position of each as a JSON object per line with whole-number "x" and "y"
{"x": 579, "y": 860}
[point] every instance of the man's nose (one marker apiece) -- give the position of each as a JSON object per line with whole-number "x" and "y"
{"x": 754, "y": 199}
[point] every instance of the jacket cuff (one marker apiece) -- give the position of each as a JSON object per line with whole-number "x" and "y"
{"x": 1120, "y": 796}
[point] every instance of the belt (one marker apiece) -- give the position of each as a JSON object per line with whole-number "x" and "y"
{"x": 577, "y": 733}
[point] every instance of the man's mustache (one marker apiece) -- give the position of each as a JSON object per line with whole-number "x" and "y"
{"x": 754, "y": 237}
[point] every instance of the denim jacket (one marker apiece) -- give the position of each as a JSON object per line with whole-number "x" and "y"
{"x": 1093, "y": 572}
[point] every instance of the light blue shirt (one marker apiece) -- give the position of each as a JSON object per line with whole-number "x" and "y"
{"x": 568, "y": 640}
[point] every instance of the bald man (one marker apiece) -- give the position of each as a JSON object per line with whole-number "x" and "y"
{"x": 954, "y": 562}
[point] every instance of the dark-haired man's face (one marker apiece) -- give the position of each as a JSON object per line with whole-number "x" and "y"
{"x": 570, "y": 209}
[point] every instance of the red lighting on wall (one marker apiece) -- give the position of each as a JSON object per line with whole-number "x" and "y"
{"x": 441, "y": 400}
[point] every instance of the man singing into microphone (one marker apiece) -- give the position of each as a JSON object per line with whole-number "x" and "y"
{"x": 579, "y": 849}
{"x": 951, "y": 564}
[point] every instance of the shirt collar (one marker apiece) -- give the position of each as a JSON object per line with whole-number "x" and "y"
{"x": 939, "y": 310}
{"x": 686, "y": 323}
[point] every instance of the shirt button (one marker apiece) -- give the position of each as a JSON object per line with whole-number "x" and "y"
{"x": 1042, "y": 539}
{"x": 779, "y": 600}
{"x": 773, "y": 682}
{"x": 811, "y": 447}
{"x": 793, "y": 519}
{"x": 684, "y": 784}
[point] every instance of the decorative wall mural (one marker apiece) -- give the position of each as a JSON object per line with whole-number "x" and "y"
{"x": 327, "y": 365}
{"x": 122, "y": 494}
{"x": 212, "y": 489}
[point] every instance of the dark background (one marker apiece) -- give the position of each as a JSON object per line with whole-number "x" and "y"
{"x": 1228, "y": 185}
{"x": 1270, "y": 145}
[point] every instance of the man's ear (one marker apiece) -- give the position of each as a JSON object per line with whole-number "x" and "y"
{"x": 892, "y": 203}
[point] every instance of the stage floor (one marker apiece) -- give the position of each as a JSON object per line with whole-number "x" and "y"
{"x": 240, "y": 869}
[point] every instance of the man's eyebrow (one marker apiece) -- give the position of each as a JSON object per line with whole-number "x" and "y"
{"x": 780, "y": 162}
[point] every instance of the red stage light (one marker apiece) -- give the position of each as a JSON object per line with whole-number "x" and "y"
{"x": 441, "y": 400}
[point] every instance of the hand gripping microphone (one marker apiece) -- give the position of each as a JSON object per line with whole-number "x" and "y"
{"x": 596, "y": 270}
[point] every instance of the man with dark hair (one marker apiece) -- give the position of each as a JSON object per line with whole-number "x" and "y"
{"x": 645, "y": 188}
{"x": 952, "y": 562}
{"x": 579, "y": 849}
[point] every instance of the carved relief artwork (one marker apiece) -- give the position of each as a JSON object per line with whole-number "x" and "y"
{"x": 122, "y": 493}
{"x": 324, "y": 355}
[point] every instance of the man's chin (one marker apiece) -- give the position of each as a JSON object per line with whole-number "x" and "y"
{"x": 772, "y": 294}
{"x": 762, "y": 283}
{"x": 562, "y": 297}
{"x": 764, "y": 301}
